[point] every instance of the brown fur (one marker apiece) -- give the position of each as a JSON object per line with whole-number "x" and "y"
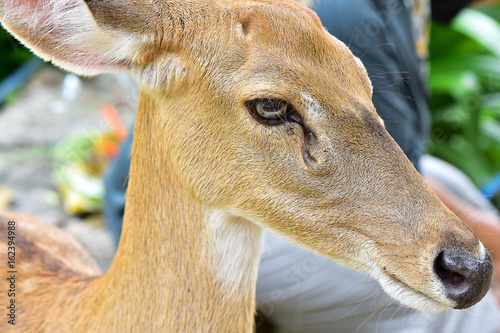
{"x": 205, "y": 175}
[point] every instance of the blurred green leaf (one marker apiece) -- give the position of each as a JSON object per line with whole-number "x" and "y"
{"x": 485, "y": 65}
{"x": 457, "y": 83}
{"x": 449, "y": 44}
{"x": 467, "y": 159}
{"x": 465, "y": 89}
{"x": 492, "y": 129}
{"x": 480, "y": 27}
{"x": 492, "y": 101}
{"x": 492, "y": 11}
{"x": 13, "y": 54}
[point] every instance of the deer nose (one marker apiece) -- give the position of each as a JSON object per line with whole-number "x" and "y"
{"x": 465, "y": 278}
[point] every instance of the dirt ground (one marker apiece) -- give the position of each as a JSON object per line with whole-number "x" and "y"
{"x": 50, "y": 107}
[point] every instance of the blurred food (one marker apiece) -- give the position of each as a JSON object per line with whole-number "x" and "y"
{"x": 5, "y": 197}
{"x": 81, "y": 159}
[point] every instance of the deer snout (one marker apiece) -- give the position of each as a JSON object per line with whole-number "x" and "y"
{"x": 465, "y": 278}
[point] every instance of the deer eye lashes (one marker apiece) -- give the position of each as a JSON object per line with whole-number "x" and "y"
{"x": 270, "y": 111}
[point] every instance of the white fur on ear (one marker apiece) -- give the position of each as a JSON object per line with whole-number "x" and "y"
{"x": 163, "y": 74}
{"x": 65, "y": 32}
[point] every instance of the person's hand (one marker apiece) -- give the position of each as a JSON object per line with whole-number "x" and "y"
{"x": 496, "y": 279}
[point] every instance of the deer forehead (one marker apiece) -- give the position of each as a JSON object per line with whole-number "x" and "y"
{"x": 279, "y": 45}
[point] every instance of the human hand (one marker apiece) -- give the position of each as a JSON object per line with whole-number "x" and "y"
{"x": 496, "y": 279}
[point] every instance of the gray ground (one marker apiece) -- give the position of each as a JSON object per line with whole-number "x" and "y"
{"x": 51, "y": 106}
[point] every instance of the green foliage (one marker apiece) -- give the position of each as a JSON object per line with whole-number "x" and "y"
{"x": 12, "y": 54}
{"x": 465, "y": 89}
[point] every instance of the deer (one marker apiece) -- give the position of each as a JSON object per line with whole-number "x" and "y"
{"x": 251, "y": 116}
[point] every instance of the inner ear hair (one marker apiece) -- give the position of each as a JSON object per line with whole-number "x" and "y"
{"x": 125, "y": 15}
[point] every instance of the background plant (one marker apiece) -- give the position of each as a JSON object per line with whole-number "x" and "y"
{"x": 12, "y": 54}
{"x": 465, "y": 89}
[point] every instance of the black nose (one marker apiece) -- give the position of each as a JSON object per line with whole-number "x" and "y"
{"x": 466, "y": 279}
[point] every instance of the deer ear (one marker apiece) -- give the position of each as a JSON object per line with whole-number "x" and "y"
{"x": 68, "y": 33}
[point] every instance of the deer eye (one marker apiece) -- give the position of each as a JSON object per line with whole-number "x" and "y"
{"x": 269, "y": 110}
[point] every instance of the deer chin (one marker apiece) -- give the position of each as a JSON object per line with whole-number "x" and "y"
{"x": 403, "y": 293}
{"x": 408, "y": 296}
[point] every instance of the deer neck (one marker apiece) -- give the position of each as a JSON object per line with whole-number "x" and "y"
{"x": 179, "y": 261}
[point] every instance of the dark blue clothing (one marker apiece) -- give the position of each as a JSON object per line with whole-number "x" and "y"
{"x": 380, "y": 33}
{"x": 115, "y": 183}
